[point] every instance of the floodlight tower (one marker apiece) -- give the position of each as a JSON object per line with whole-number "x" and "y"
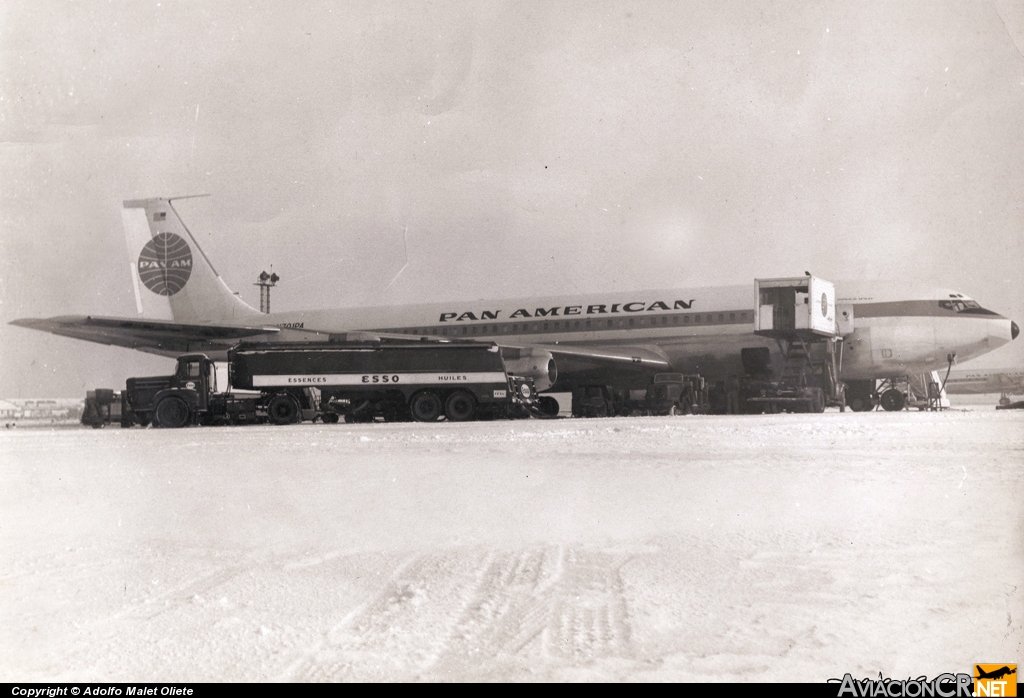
{"x": 266, "y": 282}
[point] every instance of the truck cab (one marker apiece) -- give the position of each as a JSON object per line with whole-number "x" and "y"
{"x": 195, "y": 372}
{"x": 171, "y": 401}
{"x": 675, "y": 393}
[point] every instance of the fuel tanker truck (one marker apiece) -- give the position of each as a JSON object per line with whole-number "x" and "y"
{"x": 360, "y": 381}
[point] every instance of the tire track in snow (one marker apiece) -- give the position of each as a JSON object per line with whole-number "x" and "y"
{"x": 507, "y": 609}
{"x": 400, "y": 630}
{"x": 540, "y": 610}
{"x": 467, "y": 612}
{"x": 590, "y": 617}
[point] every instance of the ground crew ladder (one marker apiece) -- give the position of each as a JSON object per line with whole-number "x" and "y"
{"x": 798, "y": 362}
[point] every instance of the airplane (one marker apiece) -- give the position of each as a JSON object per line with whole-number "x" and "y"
{"x": 981, "y": 381}
{"x": 995, "y": 673}
{"x": 564, "y": 342}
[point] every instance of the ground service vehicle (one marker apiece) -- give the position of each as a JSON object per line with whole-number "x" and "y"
{"x": 675, "y": 393}
{"x": 394, "y": 380}
{"x": 102, "y": 406}
{"x": 668, "y": 393}
{"x": 188, "y": 396}
{"x": 592, "y": 401}
{"x": 800, "y": 315}
{"x": 361, "y": 381}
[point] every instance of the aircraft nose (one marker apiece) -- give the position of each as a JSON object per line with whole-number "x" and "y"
{"x": 1014, "y": 330}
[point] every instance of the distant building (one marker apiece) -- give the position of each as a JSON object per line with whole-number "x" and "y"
{"x": 40, "y": 409}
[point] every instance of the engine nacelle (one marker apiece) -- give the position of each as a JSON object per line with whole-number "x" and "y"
{"x": 532, "y": 363}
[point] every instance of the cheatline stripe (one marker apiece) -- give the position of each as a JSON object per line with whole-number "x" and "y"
{"x": 917, "y": 309}
{"x": 376, "y": 379}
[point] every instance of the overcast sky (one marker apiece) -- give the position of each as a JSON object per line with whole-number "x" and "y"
{"x": 394, "y": 152}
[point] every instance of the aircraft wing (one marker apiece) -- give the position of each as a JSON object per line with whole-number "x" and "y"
{"x": 576, "y": 365}
{"x": 154, "y": 336}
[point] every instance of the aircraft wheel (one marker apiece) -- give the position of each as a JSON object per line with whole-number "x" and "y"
{"x": 460, "y": 406}
{"x": 172, "y": 413}
{"x": 425, "y": 406}
{"x": 893, "y": 400}
{"x": 283, "y": 409}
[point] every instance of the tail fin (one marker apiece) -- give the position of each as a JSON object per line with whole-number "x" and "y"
{"x": 173, "y": 279}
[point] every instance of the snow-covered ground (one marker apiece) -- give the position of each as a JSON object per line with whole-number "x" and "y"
{"x": 793, "y": 547}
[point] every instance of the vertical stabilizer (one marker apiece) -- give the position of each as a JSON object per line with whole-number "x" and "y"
{"x": 172, "y": 277}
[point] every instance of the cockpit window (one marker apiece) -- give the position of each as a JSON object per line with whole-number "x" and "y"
{"x": 959, "y": 306}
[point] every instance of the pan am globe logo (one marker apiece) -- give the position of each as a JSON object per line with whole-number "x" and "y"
{"x": 165, "y": 264}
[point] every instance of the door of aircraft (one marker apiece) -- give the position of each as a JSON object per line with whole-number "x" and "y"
{"x": 857, "y": 354}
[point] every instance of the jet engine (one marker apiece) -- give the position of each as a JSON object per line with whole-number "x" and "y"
{"x": 537, "y": 364}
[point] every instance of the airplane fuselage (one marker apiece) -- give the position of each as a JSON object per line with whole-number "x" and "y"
{"x": 699, "y": 330}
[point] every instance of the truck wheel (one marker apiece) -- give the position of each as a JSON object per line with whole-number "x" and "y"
{"x": 460, "y": 406}
{"x": 859, "y": 403}
{"x": 818, "y": 404}
{"x": 425, "y": 407}
{"x": 283, "y": 409}
{"x": 172, "y": 413}
{"x": 548, "y": 406}
{"x": 893, "y": 400}
{"x": 330, "y": 417}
